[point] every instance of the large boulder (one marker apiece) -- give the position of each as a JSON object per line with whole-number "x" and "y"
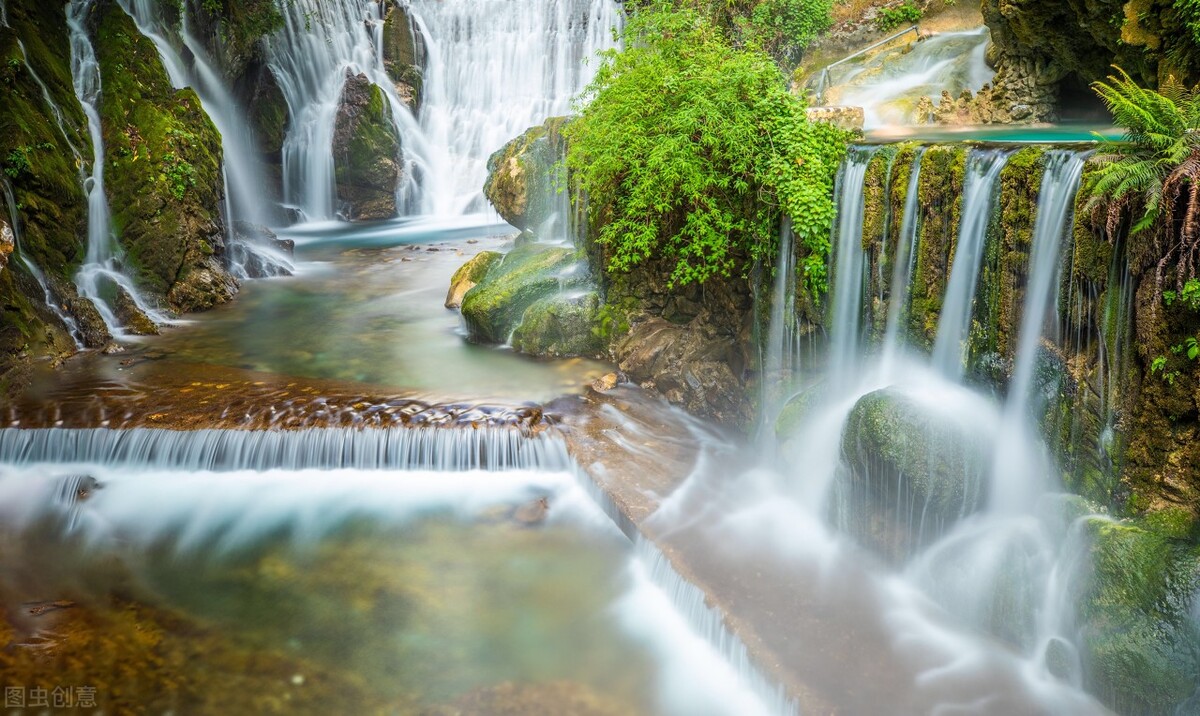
{"x": 522, "y": 175}
{"x": 469, "y": 275}
{"x": 494, "y": 308}
{"x": 914, "y": 470}
{"x": 163, "y": 174}
{"x": 1138, "y": 620}
{"x": 562, "y": 324}
{"x": 366, "y": 151}
{"x": 403, "y": 55}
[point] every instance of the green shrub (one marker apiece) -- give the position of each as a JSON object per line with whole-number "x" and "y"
{"x": 892, "y": 17}
{"x": 691, "y": 150}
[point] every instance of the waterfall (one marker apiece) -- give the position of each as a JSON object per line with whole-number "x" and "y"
{"x": 847, "y": 277}
{"x": 444, "y": 449}
{"x": 902, "y": 268}
{"x": 47, "y": 296}
{"x": 320, "y": 42}
{"x": 101, "y": 275}
{"x": 54, "y": 109}
{"x": 780, "y": 357}
{"x": 241, "y": 171}
{"x": 1018, "y": 473}
{"x": 979, "y": 195}
{"x": 496, "y": 68}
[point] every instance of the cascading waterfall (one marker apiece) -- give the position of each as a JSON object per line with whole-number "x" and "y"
{"x": 101, "y": 275}
{"x": 242, "y": 173}
{"x": 847, "y": 277}
{"x": 319, "y": 43}
{"x": 902, "y": 269}
{"x": 496, "y": 68}
{"x": 33, "y": 269}
{"x": 979, "y": 195}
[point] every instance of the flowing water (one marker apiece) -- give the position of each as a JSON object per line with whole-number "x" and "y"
{"x": 849, "y": 260}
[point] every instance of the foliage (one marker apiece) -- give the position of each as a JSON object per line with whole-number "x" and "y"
{"x": 1154, "y": 172}
{"x": 17, "y": 162}
{"x": 691, "y": 151}
{"x": 889, "y": 18}
{"x": 781, "y": 28}
{"x": 1188, "y": 295}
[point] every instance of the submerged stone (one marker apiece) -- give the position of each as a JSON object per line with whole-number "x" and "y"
{"x": 913, "y": 471}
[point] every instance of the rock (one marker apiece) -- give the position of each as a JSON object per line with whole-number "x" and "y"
{"x": 7, "y": 244}
{"x": 74, "y": 489}
{"x": 850, "y": 118}
{"x": 561, "y": 324}
{"x": 796, "y": 410}
{"x": 544, "y": 699}
{"x": 605, "y": 383}
{"x": 690, "y": 367}
{"x": 532, "y": 513}
{"x": 403, "y": 56}
{"x": 468, "y": 275}
{"x": 203, "y": 286}
{"x": 259, "y": 252}
{"x": 525, "y": 275}
{"x": 1141, "y": 639}
{"x": 93, "y": 330}
{"x": 914, "y": 471}
{"x": 521, "y": 175}
{"x": 132, "y": 317}
{"x": 366, "y": 152}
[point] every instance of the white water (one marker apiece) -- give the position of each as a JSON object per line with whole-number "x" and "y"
{"x": 496, "y": 68}
{"x": 101, "y": 275}
{"x": 888, "y": 84}
{"x": 245, "y": 199}
{"x": 902, "y": 268}
{"x": 847, "y": 277}
{"x": 979, "y": 195}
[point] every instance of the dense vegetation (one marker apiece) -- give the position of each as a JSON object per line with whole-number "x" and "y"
{"x": 691, "y": 150}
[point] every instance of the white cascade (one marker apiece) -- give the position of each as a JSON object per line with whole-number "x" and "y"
{"x": 243, "y": 175}
{"x": 101, "y": 275}
{"x": 979, "y": 194}
{"x": 496, "y": 68}
{"x": 847, "y": 277}
{"x": 902, "y": 265}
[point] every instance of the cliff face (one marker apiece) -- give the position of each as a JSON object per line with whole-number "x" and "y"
{"x": 1045, "y": 52}
{"x": 163, "y": 178}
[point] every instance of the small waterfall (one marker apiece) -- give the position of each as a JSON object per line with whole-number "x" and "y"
{"x": 33, "y": 269}
{"x": 902, "y": 268}
{"x": 781, "y": 354}
{"x": 54, "y": 109}
{"x": 444, "y": 449}
{"x": 979, "y": 194}
{"x": 496, "y": 68}
{"x": 1018, "y": 474}
{"x": 242, "y": 174}
{"x": 320, "y": 42}
{"x": 101, "y": 274}
{"x": 850, "y": 260}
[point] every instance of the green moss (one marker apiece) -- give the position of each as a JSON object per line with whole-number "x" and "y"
{"x": 561, "y": 325}
{"x": 522, "y": 175}
{"x": 940, "y": 188}
{"x": 163, "y": 174}
{"x": 1020, "y": 184}
{"x": 527, "y": 274}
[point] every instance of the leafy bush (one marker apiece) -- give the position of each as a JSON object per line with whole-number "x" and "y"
{"x": 786, "y": 27}
{"x": 691, "y": 151}
{"x": 890, "y": 18}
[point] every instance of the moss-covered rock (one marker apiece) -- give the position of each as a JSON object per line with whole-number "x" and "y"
{"x": 522, "y": 174}
{"x": 940, "y": 188}
{"x": 233, "y": 30}
{"x": 163, "y": 175}
{"x": 562, "y": 324}
{"x": 1141, "y": 638}
{"x": 366, "y": 152}
{"x": 267, "y": 111}
{"x": 469, "y": 275}
{"x": 915, "y": 470}
{"x": 797, "y": 410}
{"x": 402, "y": 55}
{"x": 527, "y": 274}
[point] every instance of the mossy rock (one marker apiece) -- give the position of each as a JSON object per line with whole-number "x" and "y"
{"x": 163, "y": 174}
{"x": 522, "y": 174}
{"x": 916, "y": 469}
{"x": 562, "y": 324}
{"x": 469, "y": 275}
{"x": 797, "y": 409}
{"x": 525, "y": 275}
{"x": 366, "y": 152}
{"x": 401, "y": 56}
{"x": 1141, "y": 641}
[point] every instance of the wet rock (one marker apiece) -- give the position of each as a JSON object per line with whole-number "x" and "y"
{"x": 202, "y": 286}
{"x": 914, "y": 471}
{"x": 403, "y": 55}
{"x": 525, "y": 275}
{"x": 605, "y": 383}
{"x": 562, "y": 324}
{"x": 851, "y": 118}
{"x": 74, "y": 489}
{"x": 1140, "y": 635}
{"x": 7, "y": 244}
{"x": 532, "y": 513}
{"x": 469, "y": 275}
{"x": 93, "y": 330}
{"x": 796, "y": 410}
{"x": 132, "y": 317}
{"x": 689, "y": 365}
{"x": 366, "y": 151}
{"x": 545, "y": 699}
{"x": 259, "y": 252}
{"x": 521, "y": 175}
